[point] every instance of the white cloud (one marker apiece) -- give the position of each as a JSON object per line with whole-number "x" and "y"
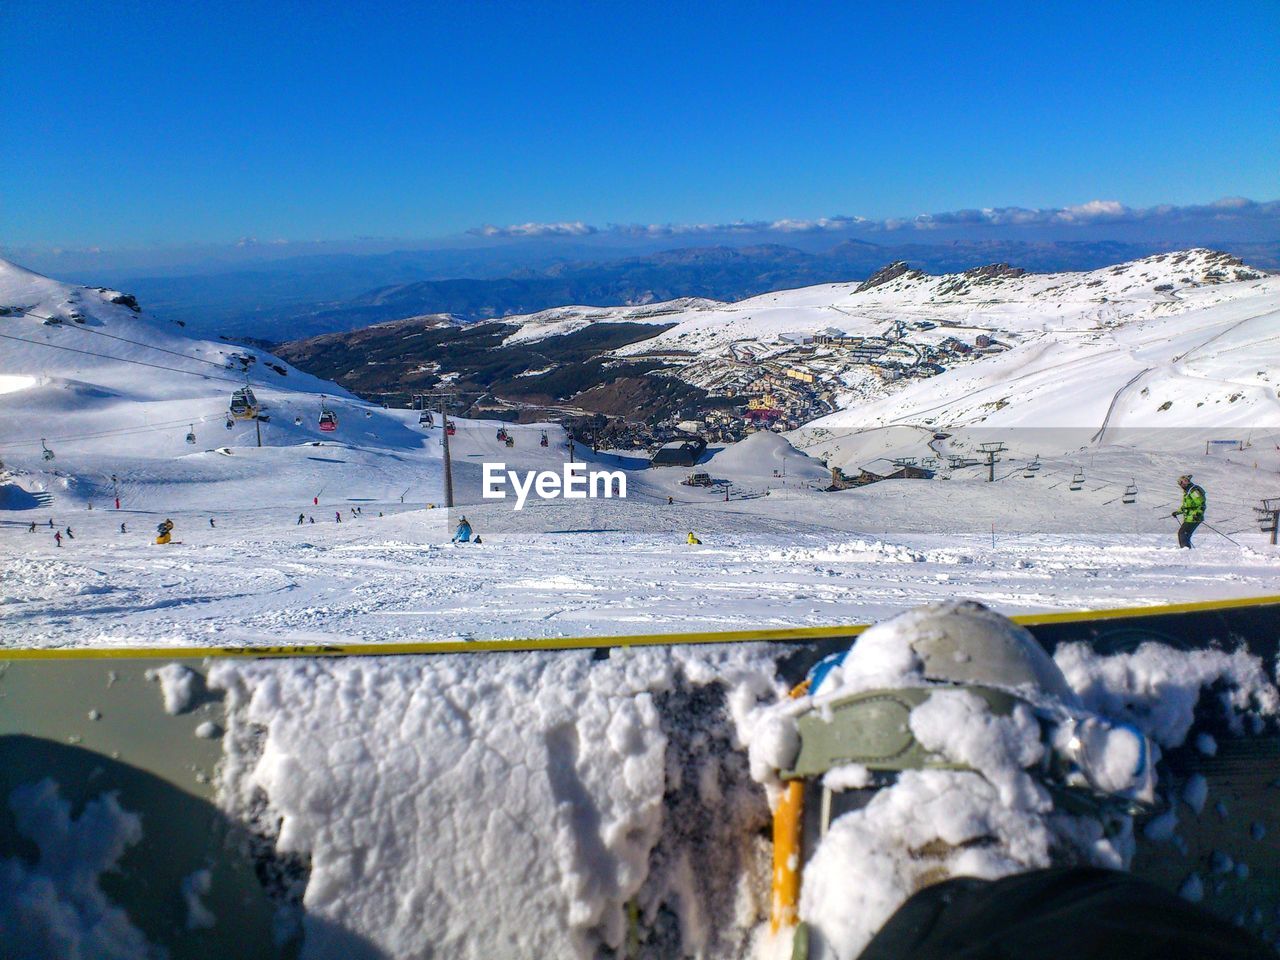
{"x": 1083, "y": 214}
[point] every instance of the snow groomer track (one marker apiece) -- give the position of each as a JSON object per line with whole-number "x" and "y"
{"x": 547, "y": 797}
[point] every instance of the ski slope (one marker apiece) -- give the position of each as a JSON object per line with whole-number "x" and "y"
{"x": 779, "y": 551}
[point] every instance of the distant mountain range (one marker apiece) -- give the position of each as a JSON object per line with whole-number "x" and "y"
{"x": 322, "y": 295}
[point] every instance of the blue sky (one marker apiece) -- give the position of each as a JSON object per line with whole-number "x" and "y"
{"x": 129, "y": 123}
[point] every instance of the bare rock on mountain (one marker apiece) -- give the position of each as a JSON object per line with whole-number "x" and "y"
{"x": 887, "y": 274}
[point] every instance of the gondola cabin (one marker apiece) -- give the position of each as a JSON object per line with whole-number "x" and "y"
{"x": 244, "y": 405}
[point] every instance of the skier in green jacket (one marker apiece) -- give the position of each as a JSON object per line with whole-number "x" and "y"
{"x": 1191, "y": 511}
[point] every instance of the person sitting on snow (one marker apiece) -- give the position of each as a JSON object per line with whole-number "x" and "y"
{"x": 692, "y": 539}
{"x": 463, "y": 533}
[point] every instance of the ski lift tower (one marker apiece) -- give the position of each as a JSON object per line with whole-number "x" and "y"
{"x": 992, "y": 452}
{"x": 1269, "y": 517}
{"x": 447, "y": 399}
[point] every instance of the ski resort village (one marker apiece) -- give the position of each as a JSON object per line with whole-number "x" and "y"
{"x": 672, "y": 630}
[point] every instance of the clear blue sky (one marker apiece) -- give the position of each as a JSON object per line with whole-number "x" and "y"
{"x": 138, "y": 123}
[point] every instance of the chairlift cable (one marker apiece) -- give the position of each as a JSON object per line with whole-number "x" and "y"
{"x": 104, "y": 356}
{"x": 136, "y": 343}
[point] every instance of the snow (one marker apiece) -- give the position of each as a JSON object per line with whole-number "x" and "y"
{"x": 992, "y": 817}
{"x": 779, "y": 553}
{"x": 177, "y": 686}
{"x": 959, "y": 726}
{"x": 1156, "y": 687}
{"x": 56, "y": 907}
{"x": 524, "y": 804}
{"x": 195, "y": 886}
{"x": 1195, "y": 792}
{"x": 1192, "y": 889}
{"x": 1206, "y": 744}
{"x": 850, "y": 776}
{"x": 457, "y": 805}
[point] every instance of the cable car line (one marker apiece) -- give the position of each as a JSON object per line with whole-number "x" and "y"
{"x": 142, "y": 363}
{"x": 136, "y": 343}
{"x": 164, "y": 425}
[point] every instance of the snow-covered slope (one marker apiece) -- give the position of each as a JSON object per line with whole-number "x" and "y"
{"x": 984, "y": 297}
{"x": 1188, "y": 339}
{"x": 86, "y": 374}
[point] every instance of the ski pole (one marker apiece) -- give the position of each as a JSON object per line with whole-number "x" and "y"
{"x": 1219, "y": 533}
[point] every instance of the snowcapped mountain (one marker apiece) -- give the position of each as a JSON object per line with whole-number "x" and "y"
{"x": 991, "y": 294}
{"x": 87, "y": 376}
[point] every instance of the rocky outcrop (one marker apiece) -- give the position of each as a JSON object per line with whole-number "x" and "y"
{"x": 887, "y": 274}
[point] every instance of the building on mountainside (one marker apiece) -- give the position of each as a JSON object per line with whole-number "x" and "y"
{"x": 864, "y": 476}
{"x": 679, "y": 453}
{"x": 763, "y": 409}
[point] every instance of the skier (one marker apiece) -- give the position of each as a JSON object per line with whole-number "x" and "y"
{"x": 57, "y": 537}
{"x": 211, "y": 523}
{"x": 670, "y": 501}
{"x": 463, "y": 533}
{"x": 70, "y": 535}
{"x": 122, "y": 529}
{"x": 32, "y": 528}
{"x": 337, "y": 515}
{"x": 312, "y": 520}
{"x": 1191, "y": 511}
{"x": 693, "y": 541}
{"x": 51, "y": 523}
{"x": 315, "y": 501}
{"x": 302, "y": 518}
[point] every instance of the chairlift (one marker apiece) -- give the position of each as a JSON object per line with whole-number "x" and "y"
{"x": 544, "y": 441}
{"x": 191, "y": 434}
{"x": 1130, "y": 493}
{"x": 297, "y": 421}
{"x": 1032, "y": 468}
{"x": 510, "y": 441}
{"x": 425, "y": 419}
{"x": 230, "y": 423}
{"x": 450, "y": 429}
{"x": 47, "y": 454}
{"x": 1077, "y": 481}
{"x": 502, "y": 434}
